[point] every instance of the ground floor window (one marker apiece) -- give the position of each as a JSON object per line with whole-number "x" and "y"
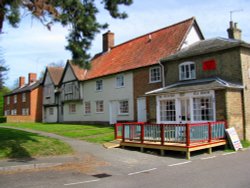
{"x": 13, "y": 112}
{"x": 203, "y": 109}
{"x": 187, "y": 107}
{"x": 72, "y": 108}
{"x": 167, "y": 110}
{"x": 51, "y": 111}
{"x": 123, "y": 107}
{"x": 87, "y": 108}
{"x": 99, "y": 107}
{"x": 25, "y": 111}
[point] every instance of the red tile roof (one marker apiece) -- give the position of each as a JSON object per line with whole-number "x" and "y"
{"x": 142, "y": 51}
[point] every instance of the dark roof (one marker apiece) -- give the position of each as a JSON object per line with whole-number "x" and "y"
{"x": 206, "y": 46}
{"x": 139, "y": 52}
{"x": 25, "y": 88}
{"x": 196, "y": 85}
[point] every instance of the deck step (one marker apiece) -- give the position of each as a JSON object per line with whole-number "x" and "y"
{"x": 112, "y": 144}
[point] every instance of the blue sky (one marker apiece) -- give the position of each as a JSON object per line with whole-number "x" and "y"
{"x": 31, "y": 47}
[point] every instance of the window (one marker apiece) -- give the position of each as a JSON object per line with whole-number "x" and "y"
{"x": 13, "y": 112}
{"x": 87, "y": 108}
{"x": 15, "y": 98}
{"x": 119, "y": 81}
{"x": 155, "y": 74}
{"x": 99, "y": 85}
{"x": 187, "y": 71}
{"x": 68, "y": 88}
{"x": 24, "y": 97}
{"x": 167, "y": 110}
{"x": 8, "y": 100}
{"x": 123, "y": 107}
{"x": 51, "y": 111}
{"x": 25, "y": 111}
{"x": 7, "y": 112}
{"x": 72, "y": 108}
{"x": 99, "y": 107}
{"x": 203, "y": 109}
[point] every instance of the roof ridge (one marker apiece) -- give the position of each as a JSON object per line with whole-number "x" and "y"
{"x": 152, "y": 32}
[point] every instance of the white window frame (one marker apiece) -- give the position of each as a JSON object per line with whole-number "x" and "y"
{"x": 120, "y": 81}
{"x": 87, "y": 107}
{"x": 99, "y": 85}
{"x": 72, "y": 108}
{"x": 189, "y": 96}
{"x": 99, "y": 106}
{"x": 187, "y": 70}
{"x": 25, "y": 111}
{"x": 23, "y": 97}
{"x": 15, "y": 99}
{"x": 121, "y": 107}
{"x": 13, "y": 112}
{"x": 152, "y": 76}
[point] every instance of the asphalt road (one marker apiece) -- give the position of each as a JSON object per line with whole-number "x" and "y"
{"x": 229, "y": 170}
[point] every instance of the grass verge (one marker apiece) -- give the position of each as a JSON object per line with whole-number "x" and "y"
{"x": 90, "y": 133}
{"x": 21, "y": 144}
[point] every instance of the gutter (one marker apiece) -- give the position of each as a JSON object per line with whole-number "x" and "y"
{"x": 162, "y": 73}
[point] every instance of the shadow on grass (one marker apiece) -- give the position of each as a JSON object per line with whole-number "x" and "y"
{"x": 12, "y": 144}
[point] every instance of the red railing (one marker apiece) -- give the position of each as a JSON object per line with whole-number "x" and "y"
{"x": 170, "y": 133}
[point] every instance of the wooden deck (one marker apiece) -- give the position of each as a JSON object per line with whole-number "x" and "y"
{"x": 175, "y": 146}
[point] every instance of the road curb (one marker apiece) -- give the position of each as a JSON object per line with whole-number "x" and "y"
{"x": 29, "y": 166}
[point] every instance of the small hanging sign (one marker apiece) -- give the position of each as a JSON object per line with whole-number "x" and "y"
{"x": 209, "y": 65}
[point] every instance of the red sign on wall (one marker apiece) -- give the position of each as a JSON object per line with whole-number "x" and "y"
{"x": 209, "y": 65}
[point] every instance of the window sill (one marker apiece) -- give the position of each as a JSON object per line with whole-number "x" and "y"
{"x": 99, "y": 112}
{"x": 118, "y": 87}
{"x": 125, "y": 114}
{"x": 154, "y": 82}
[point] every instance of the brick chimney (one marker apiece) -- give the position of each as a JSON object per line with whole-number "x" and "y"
{"x": 108, "y": 41}
{"x": 233, "y": 31}
{"x": 32, "y": 77}
{"x": 21, "y": 81}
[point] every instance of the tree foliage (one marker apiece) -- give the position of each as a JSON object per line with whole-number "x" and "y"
{"x": 80, "y": 15}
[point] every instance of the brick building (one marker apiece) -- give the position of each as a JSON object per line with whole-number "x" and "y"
{"x": 207, "y": 81}
{"x": 24, "y": 104}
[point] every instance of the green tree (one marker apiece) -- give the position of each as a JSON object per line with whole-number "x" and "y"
{"x": 80, "y": 15}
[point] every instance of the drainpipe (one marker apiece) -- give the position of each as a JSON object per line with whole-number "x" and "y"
{"x": 162, "y": 73}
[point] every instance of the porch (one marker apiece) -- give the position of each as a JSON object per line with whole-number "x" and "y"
{"x": 175, "y": 137}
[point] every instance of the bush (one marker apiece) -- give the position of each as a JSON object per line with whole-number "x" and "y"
{"x": 2, "y": 119}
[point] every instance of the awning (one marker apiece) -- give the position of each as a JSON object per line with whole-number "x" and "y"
{"x": 196, "y": 85}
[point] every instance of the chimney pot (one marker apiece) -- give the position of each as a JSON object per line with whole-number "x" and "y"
{"x": 233, "y": 31}
{"x": 32, "y": 77}
{"x": 108, "y": 41}
{"x": 21, "y": 81}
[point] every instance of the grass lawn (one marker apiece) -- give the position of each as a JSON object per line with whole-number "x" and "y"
{"x": 90, "y": 133}
{"x": 21, "y": 144}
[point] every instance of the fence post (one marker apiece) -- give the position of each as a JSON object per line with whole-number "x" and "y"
{"x": 123, "y": 133}
{"x": 142, "y": 133}
{"x": 187, "y": 134}
{"x": 162, "y": 134}
{"x": 209, "y": 132}
{"x": 116, "y": 131}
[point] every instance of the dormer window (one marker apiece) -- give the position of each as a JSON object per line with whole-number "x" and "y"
{"x": 187, "y": 71}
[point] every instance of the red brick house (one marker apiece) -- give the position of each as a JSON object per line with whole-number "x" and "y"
{"x": 24, "y": 104}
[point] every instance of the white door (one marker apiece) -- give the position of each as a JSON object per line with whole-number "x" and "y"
{"x": 141, "y": 109}
{"x": 112, "y": 112}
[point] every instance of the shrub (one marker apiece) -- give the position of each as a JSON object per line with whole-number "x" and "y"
{"x": 2, "y": 119}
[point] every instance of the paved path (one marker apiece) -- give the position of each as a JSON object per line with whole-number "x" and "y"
{"x": 116, "y": 158}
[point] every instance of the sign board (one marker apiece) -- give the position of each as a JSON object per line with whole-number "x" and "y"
{"x": 234, "y": 138}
